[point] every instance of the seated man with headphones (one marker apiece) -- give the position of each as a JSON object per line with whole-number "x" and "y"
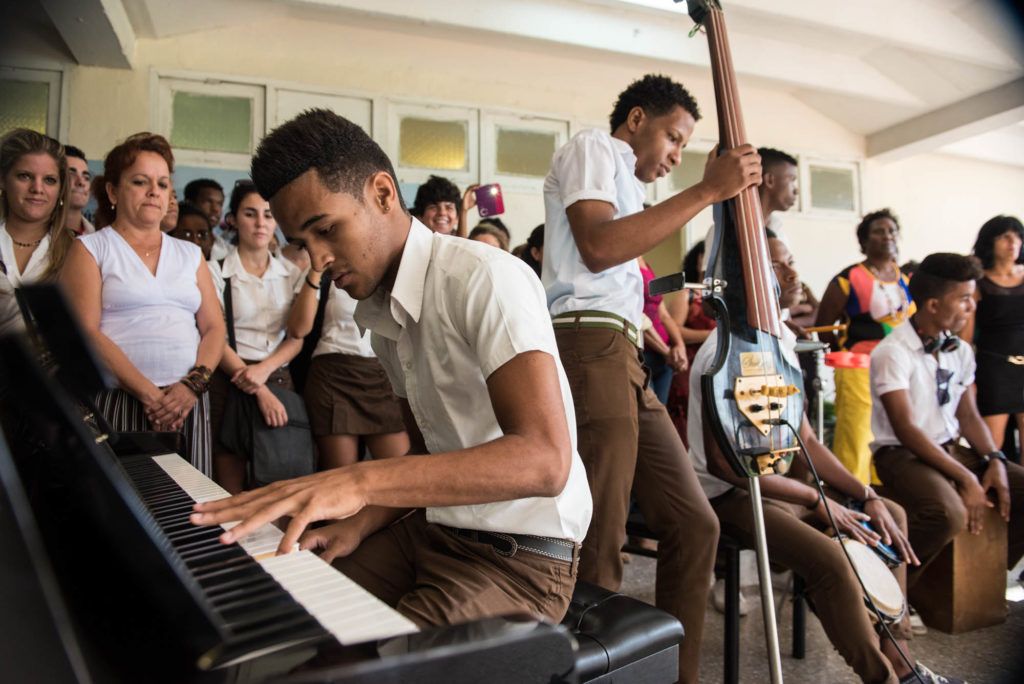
{"x": 923, "y": 397}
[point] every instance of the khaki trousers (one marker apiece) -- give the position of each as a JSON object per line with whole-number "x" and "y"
{"x": 435, "y": 578}
{"x": 795, "y": 542}
{"x": 935, "y": 511}
{"x": 628, "y": 442}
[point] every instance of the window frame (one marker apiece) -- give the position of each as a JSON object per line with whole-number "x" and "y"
{"x": 490, "y": 121}
{"x": 166, "y": 84}
{"x": 57, "y": 115}
{"x": 806, "y": 202}
{"x": 400, "y": 109}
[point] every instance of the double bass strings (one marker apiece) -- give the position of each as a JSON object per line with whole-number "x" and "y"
{"x": 751, "y": 240}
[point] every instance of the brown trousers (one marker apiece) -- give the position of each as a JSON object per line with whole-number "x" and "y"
{"x": 628, "y": 442}
{"x": 833, "y": 590}
{"x": 435, "y": 578}
{"x": 935, "y": 511}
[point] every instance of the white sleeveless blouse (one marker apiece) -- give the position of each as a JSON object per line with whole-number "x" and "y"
{"x": 152, "y": 318}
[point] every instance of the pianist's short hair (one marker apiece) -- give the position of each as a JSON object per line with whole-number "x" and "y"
{"x": 940, "y": 272}
{"x": 340, "y": 152}
{"x": 656, "y": 95}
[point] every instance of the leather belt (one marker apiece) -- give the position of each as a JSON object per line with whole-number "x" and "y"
{"x": 510, "y": 544}
{"x": 597, "y": 319}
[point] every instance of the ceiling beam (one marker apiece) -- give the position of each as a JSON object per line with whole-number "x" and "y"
{"x": 97, "y": 32}
{"x": 981, "y": 113}
{"x": 619, "y": 28}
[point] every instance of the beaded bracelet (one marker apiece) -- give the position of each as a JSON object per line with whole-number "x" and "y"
{"x": 197, "y": 379}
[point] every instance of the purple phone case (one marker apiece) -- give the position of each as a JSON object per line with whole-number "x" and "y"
{"x": 489, "y": 201}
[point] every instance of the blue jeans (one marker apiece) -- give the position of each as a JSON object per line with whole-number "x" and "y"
{"x": 661, "y": 374}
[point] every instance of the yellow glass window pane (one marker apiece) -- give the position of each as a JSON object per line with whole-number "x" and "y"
{"x": 23, "y": 104}
{"x": 832, "y": 189}
{"x": 212, "y": 123}
{"x": 689, "y": 172}
{"x": 431, "y": 144}
{"x": 525, "y": 153}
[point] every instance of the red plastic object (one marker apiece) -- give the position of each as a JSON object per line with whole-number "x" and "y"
{"x": 846, "y": 359}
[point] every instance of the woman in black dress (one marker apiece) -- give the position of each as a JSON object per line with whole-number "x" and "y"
{"x": 998, "y": 326}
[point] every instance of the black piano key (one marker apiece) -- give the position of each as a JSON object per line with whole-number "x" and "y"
{"x": 257, "y": 612}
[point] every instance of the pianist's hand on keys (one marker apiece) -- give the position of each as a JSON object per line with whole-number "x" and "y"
{"x": 330, "y": 495}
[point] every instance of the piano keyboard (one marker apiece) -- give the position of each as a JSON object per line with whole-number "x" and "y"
{"x": 343, "y": 608}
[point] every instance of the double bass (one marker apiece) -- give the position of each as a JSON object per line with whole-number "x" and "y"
{"x": 751, "y": 403}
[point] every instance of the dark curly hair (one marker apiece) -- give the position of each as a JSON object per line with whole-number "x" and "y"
{"x": 692, "y": 260}
{"x": 435, "y": 191}
{"x": 536, "y": 239}
{"x": 656, "y": 95}
{"x": 941, "y": 271}
{"x": 992, "y": 230}
{"x": 340, "y": 152}
{"x": 864, "y": 227}
{"x": 194, "y": 187}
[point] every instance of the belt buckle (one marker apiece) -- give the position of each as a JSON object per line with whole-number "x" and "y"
{"x": 1016, "y": 360}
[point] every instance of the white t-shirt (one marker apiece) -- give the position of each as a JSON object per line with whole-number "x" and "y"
{"x": 152, "y": 318}
{"x": 37, "y": 263}
{"x": 899, "y": 363}
{"x": 591, "y": 166}
{"x": 341, "y": 334}
{"x": 712, "y": 485}
{"x": 459, "y": 311}
{"x": 260, "y": 304}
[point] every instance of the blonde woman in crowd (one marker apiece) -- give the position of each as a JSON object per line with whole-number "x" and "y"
{"x": 33, "y": 207}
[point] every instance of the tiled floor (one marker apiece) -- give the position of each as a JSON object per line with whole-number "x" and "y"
{"x": 992, "y": 655}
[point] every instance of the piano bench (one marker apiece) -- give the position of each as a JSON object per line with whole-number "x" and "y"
{"x": 621, "y": 638}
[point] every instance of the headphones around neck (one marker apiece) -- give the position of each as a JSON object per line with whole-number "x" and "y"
{"x": 944, "y": 342}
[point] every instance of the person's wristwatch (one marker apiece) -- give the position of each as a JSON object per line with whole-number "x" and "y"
{"x": 996, "y": 455}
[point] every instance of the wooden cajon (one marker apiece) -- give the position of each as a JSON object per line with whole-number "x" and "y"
{"x": 964, "y": 588}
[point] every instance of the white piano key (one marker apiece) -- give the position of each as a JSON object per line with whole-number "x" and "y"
{"x": 346, "y": 610}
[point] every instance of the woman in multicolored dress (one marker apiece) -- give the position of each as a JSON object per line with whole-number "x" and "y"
{"x": 871, "y": 298}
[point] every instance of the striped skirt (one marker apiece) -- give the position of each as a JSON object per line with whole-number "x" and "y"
{"x": 125, "y": 413}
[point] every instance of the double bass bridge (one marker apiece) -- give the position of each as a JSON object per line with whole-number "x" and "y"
{"x": 763, "y": 398}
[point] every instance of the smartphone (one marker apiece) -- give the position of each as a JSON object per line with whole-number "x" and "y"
{"x": 489, "y": 201}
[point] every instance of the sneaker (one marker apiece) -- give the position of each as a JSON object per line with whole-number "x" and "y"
{"x": 917, "y": 626}
{"x": 718, "y": 598}
{"x": 926, "y": 676}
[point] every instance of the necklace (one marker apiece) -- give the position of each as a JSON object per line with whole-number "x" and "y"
{"x": 26, "y": 245}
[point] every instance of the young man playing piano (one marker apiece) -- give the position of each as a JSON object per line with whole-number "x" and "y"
{"x": 486, "y": 514}
{"x": 795, "y": 514}
{"x": 596, "y": 227}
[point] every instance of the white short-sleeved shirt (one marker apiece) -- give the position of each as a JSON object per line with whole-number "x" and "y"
{"x": 260, "y": 304}
{"x": 37, "y": 263}
{"x": 460, "y": 310}
{"x": 900, "y": 363}
{"x": 151, "y": 318}
{"x": 712, "y": 485}
{"x": 10, "y": 315}
{"x": 341, "y": 334}
{"x": 591, "y": 166}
